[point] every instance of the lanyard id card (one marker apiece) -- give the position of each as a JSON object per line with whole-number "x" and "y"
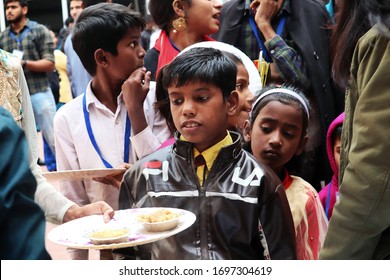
{"x": 19, "y": 54}
{"x": 263, "y": 68}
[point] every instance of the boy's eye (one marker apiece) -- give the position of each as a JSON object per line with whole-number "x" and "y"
{"x": 289, "y": 135}
{"x": 239, "y": 86}
{"x": 176, "y": 101}
{"x": 202, "y": 98}
{"x": 266, "y": 129}
{"x": 134, "y": 44}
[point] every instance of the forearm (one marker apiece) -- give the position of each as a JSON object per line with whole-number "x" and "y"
{"x": 288, "y": 62}
{"x": 42, "y": 65}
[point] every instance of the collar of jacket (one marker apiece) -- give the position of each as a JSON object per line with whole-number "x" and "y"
{"x": 185, "y": 148}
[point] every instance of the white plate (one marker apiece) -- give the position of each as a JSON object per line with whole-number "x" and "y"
{"x": 72, "y": 234}
{"x": 82, "y": 174}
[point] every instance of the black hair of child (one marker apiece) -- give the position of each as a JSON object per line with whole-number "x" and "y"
{"x": 102, "y": 26}
{"x": 202, "y": 65}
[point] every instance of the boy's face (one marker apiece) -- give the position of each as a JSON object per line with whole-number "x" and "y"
{"x": 130, "y": 56}
{"x": 200, "y": 113}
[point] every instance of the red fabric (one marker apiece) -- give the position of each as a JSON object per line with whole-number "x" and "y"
{"x": 167, "y": 51}
{"x": 287, "y": 180}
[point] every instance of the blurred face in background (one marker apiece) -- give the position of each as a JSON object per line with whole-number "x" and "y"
{"x": 75, "y": 8}
{"x": 14, "y": 12}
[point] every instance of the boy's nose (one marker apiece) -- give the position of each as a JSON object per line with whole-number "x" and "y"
{"x": 188, "y": 109}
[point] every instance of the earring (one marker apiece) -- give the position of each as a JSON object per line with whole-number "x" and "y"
{"x": 179, "y": 24}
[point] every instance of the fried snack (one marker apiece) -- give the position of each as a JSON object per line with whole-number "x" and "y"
{"x": 161, "y": 215}
{"x": 109, "y": 233}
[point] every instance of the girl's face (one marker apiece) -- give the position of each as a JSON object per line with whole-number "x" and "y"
{"x": 276, "y": 134}
{"x": 245, "y": 99}
{"x": 202, "y": 17}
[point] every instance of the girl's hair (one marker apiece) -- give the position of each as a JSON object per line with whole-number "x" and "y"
{"x": 355, "y": 18}
{"x": 162, "y": 13}
{"x": 285, "y": 94}
{"x": 234, "y": 58}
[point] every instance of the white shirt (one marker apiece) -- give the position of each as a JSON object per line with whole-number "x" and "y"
{"x": 75, "y": 151}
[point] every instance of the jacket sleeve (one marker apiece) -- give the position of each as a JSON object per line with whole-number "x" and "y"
{"x": 276, "y": 221}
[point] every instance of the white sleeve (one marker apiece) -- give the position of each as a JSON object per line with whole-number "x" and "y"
{"x": 53, "y": 203}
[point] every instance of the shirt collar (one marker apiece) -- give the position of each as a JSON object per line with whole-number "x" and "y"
{"x": 92, "y": 99}
{"x": 211, "y": 153}
{"x": 26, "y": 24}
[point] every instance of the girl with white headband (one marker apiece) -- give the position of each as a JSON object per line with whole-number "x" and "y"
{"x": 276, "y": 135}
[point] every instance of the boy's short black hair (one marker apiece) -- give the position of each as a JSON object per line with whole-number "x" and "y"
{"x": 22, "y": 3}
{"x": 102, "y": 26}
{"x": 202, "y": 65}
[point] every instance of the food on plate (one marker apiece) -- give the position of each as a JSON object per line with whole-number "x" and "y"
{"x": 160, "y": 215}
{"x": 108, "y": 233}
{"x": 159, "y": 220}
{"x": 109, "y": 236}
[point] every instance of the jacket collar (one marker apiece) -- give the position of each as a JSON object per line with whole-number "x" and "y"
{"x": 185, "y": 149}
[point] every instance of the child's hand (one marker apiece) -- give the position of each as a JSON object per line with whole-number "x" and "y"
{"x": 114, "y": 180}
{"x": 135, "y": 88}
{"x": 265, "y": 10}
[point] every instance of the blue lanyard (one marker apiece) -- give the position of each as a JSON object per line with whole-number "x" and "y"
{"x": 328, "y": 201}
{"x": 267, "y": 57}
{"x": 20, "y": 39}
{"x": 92, "y": 137}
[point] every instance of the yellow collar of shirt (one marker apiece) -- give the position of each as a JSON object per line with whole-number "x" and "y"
{"x": 210, "y": 154}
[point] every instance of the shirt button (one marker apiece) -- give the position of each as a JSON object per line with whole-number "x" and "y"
{"x": 272, "y": 51}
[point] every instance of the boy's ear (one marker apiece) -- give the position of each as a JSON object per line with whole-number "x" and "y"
{"x": 231, "y": 103}
{"x": 246, "y": 131}
{"x": 100, "y": 57}
{"x": 301, "y": 145}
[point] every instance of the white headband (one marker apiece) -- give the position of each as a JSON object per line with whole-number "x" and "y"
{"x": 282, "y": 90}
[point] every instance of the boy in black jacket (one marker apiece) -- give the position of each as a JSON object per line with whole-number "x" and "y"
{"x": 241, "y": 208}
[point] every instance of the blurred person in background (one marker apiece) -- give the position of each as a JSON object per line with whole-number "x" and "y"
{"x": 182, "y": 23}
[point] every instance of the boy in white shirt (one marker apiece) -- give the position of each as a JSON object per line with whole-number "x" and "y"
{"x": 114, "y": 122}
